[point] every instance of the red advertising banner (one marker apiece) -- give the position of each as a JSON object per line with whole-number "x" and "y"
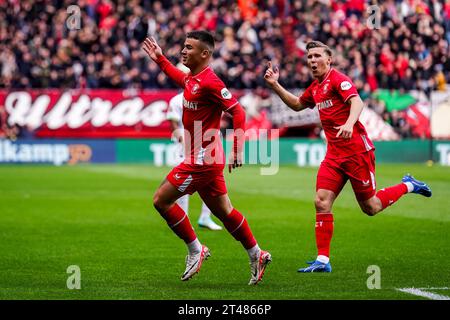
{"x": 89, "y": 113}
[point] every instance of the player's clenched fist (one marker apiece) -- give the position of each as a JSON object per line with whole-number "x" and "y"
{"x": 151, "y": 47}
{"x": 272, "y": 74}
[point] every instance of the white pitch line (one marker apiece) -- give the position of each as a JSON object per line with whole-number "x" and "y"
{"x": 426, "y": 294}
{"x": 435, "y": 288}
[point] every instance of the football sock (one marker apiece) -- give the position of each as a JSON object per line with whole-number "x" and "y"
{"x": 179, "y": 222}
{"x": 194, "y": 247}
{"x": 238, "y": 227}
{"x": 323, "y": 259}
{"x": 253, "y": 252}
{"x": 390, "y": 195}
{"x": 206, "y": 213}
{"x": 324, "y": 233}
{"x": 410, "y": 186}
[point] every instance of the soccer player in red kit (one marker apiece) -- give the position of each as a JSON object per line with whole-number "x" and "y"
{"x": 350, "y": 153}
{"x": 205, "y": 97}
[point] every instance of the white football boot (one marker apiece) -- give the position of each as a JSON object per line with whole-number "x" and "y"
{"x": 258, "y": 266}
{"x": 194, "y": 263}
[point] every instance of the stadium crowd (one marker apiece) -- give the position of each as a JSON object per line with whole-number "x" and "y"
{"x": 397, "y": 44}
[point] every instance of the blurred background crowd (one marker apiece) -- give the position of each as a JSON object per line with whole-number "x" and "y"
{"x": 395, "y": 44}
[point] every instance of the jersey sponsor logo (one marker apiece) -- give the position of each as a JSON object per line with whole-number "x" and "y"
{"x": 225, "y": 94}
{"x": 345, "y": 85}
{"x": 195, "y": 88}
{"x": 324, "y": 104}
{"x": 190, "y": 104}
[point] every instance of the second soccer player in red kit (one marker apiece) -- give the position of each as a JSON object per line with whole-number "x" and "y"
{"x": 350, "y": 153}
{"x": 205, "y": 97}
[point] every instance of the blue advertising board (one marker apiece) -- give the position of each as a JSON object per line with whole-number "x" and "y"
{"x": 58, "y": 151}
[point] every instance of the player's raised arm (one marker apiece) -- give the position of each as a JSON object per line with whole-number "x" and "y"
{"x": 238, "y": 115}
{"x": 356, "y": 106}
{"x": 153, "y": 50}
{"x": 271, "y": 76}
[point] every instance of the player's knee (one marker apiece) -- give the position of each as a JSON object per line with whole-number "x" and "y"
{"x": 158, "y": 203}
{"x": 322, "y": 204}
{"x": 369, "y": 210}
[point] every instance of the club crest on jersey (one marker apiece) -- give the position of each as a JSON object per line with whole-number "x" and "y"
{"x": 195, "y": 88}
{"x": 325, "y": 88}
{"x": 225, "y": 93}
{"x": 345, "y": 85}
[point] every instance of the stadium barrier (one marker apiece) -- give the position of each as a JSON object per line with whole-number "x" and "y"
{"x": 58, "y": 151}
{"x": 161, "y": 152}
{"x": 114, "y": 114}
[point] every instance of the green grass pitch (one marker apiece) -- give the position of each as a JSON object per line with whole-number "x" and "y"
{"x": 100, "y": 218}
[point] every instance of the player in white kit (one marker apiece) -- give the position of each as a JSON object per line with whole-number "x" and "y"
{"x": 175, "y": 115}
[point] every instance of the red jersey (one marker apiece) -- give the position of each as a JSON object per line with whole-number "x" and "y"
{"x": 204, "y": 98}
{"x": 330, "y": 97}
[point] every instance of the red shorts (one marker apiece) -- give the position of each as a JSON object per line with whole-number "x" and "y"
{"x": 207, "y": 181}
{"x": 358, "y": 168}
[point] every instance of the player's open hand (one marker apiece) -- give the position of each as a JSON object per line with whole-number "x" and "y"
{"x": 234, "y": 161}
{"x": 151, "y": 47}
{"x": 345, "y": 131}
{"x": 272, "y": 74}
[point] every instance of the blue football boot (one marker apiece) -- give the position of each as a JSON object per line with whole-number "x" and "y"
{"x": 419, "y": 186}
{"x": 316, "y": 266}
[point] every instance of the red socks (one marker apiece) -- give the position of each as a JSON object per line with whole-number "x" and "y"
{"x": 324, "y": 232}
{"x": 179, "y": 222}
{"x": 238, "y": 227}
{"x": 390, "y": 195}
{"x": 235, "y": 223}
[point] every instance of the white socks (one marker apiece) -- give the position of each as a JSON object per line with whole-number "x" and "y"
{"x": 410, "y": 186}
{"x": 206, "y": 213}
{"x": 183, "y": 202}
{"x": 194, "y": 247}
{"x": 323, "y": 259}
{"x": 253, "y": 252}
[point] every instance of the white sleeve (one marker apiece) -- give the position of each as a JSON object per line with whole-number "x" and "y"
{"x": 175, "y": 110}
